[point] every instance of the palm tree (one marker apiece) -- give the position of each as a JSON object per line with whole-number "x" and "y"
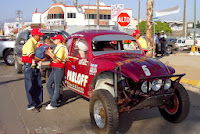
{"x": 149, "y": 27}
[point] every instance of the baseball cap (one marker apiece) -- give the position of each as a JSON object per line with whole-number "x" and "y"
{"x": 162, "y": 31}
{"x": 135, "y": 32}
{"x": 36, "y": 31}
{"x": 58, "y": 36}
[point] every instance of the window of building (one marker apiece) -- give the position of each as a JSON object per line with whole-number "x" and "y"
{"x": 71, "y": 15}
{"x": 101, "y": 16}
{"x": 55, "y": 16}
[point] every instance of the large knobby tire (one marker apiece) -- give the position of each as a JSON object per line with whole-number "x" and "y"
{"x": 178, "y": 106}
{"x": 103, "y": 112}
{"x": 18, "y": 67}
{"x": 9, "y": 58}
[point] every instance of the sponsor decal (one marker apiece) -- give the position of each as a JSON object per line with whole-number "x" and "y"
{"x": 77, "y": 78}
{"x": 82, "y": 62}
{"x": 146, "y": 70}
{"x": 93, "y": 69}
{"x": 75, "y": 87}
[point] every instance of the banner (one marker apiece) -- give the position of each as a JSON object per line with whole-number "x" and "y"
{"x": 168, "y": 11}
{"x": 116, "y": 10}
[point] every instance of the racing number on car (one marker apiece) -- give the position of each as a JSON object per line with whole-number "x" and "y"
{"x": 146, "y": 70}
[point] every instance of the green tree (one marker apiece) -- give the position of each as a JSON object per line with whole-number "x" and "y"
{"x": 159, "y": 26}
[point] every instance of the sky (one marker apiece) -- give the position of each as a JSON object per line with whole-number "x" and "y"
{"x": 9, "y": 7}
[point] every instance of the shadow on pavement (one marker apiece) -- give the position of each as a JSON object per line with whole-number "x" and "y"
{"x": 9, "y": 81}
{"x": 68, "y": 96}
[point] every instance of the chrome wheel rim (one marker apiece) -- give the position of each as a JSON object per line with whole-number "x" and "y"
{"x": 99, "y": 114}
{"x": 10, "y": 59}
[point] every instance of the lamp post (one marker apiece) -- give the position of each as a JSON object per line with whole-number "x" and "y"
{"x": 194, "y": 22}
{"x": 139, "y": 15}
{"x": 88, "y": 15}
{"x": 184, "y": 18}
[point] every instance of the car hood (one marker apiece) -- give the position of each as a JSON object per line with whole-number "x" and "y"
{"x": 137, "y": 66}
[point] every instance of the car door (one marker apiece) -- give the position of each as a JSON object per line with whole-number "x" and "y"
{"x": 77, "y": 69}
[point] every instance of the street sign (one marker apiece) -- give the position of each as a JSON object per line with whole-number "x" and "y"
{"x": 123, "y": 19}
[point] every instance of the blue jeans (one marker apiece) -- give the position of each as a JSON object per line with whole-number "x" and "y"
{"x": 33, "y": 86}
{"x": 55, "y": 78}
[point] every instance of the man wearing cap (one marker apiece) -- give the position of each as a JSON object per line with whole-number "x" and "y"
{"x": 58, "y": 57}
{"x": 162, "y": 40}
{"x": 33, "y": 84}
{"x": 142, "y": 41}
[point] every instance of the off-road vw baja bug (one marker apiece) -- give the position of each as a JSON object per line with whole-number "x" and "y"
{"x": 110, "y": 69}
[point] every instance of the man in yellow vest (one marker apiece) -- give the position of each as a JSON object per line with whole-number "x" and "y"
{"x": 142, "y": 41}
{"x": 32, "y": 76}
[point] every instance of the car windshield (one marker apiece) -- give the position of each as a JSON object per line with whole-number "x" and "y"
{"x": 105, "y": 44}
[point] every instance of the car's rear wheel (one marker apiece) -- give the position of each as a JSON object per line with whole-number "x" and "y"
{"x": 9, "y": 58}
{"x": 18, "y": 67}
{"x": 169, "y": 50}
{"x": 177, "y": 107}
{"x": 103, "y": 112}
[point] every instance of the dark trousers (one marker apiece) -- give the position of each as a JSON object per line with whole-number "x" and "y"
{"x": 156, "y": 49}
{"x": 33, "y": 85}
{"x": 55, "y": 78}
{"x": 163, "y": 49}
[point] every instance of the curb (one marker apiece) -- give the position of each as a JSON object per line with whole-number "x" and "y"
{"x": 195, "y": 83}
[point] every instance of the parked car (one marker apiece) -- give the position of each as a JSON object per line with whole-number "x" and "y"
{"x": 190, "y": 42}
{"x": 117, "y": 80}
{"x": 21, "y": 40}
{"x": 169, "y": 46}
{"x": 6, "y": 50}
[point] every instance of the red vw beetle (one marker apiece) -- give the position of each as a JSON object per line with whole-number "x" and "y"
{"x": 110, "y": 68}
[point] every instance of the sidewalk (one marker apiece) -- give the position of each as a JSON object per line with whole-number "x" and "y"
{"x": 185, "y": 63}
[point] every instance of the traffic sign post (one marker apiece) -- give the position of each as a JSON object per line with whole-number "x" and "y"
{"x": 123, "y": 19}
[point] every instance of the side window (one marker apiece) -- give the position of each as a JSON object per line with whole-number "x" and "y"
{"x": 75, "y": 48}
{"x": 80, "y": 49}
{"x": 179, "y": 41}
{"x": 69, "y": 42}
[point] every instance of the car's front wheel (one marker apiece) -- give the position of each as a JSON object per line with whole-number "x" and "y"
{"x": 177, "y": 107}
{"x": 103, "y": 112}
{"x": 9, "y": 58}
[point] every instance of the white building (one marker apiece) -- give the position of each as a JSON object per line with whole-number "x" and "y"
{"x": 76, "y": 18}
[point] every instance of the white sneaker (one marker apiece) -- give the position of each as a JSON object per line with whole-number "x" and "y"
{"x": 31, "y": 108}
{"x": 49, "y": 107}
{"x": 191, "y": 53}
{"x": 196, "y": 53}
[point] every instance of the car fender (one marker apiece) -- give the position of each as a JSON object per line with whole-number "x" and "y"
{"x": 104, "y": 80}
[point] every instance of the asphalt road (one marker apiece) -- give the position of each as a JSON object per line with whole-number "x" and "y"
{"x": 73, "y": 116}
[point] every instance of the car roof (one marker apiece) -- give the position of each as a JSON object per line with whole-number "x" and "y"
{"x": 48, "y": 30}
{"x": 90, "y": 34}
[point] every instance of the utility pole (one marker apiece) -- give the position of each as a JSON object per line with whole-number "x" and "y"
{"x": 98, "y": 14}
{"x": 139, "y": 15}
{"x": 184, "y": 19}
{"x": 19, "y": 15}
{"x": 149, "y": 27}
{"x": 194, "y": 22}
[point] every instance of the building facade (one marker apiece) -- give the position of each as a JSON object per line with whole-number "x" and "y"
{"x": 76, "y": 18}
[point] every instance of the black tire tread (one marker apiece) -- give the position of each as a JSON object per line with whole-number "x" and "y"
{"x": 112, "y": 111}
{"x": 184, "y": 104}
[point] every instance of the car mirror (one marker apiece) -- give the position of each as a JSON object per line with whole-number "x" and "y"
{"x": 21, "y": 42}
